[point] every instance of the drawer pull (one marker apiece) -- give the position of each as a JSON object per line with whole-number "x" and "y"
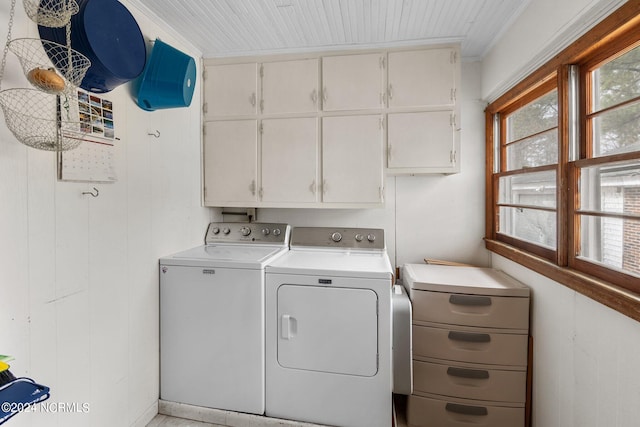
{"x": 471, "y": 300}
{"x": 475, "y": 374}
{"x": 469, "y": 336}
{"x": 466, "y": 409}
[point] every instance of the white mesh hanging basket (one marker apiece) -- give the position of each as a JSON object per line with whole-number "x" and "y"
{"x": 43, "y": 121}
{"x": 51, "y": 13}
{"x": 50, "y": 66}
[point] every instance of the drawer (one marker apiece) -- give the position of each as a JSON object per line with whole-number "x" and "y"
{"x": 435, "y": 411}
{"x": 475, "y": 345}
{"x": 470, "y": 382}
{"x": 473, "y": 310}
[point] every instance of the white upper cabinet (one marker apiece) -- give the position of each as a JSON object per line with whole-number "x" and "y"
{"x": 322, "y": 130}
{"x": 352, "y": 160}
{"x": 421, "y": 140}
{"x": 353, "y": 82}
{"x": 422, "y": 78}
{"x": 231, "y": 90}
{"x": 230, "y": 162}
{"x": 290, "y": 86}
{"x": 289, "y": 160}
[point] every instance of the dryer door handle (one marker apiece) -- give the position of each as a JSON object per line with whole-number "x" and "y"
{"x": 287, "y": 326}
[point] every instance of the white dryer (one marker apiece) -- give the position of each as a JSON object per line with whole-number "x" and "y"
{"x": 212, "y": 317}
{"x": 328, "y": 319}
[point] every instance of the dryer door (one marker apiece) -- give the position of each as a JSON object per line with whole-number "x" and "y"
{"x": 328, "y": 329}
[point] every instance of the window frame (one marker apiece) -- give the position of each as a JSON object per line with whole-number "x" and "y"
{"x": 548, "y": 85}
{"x": 614, "y": 35}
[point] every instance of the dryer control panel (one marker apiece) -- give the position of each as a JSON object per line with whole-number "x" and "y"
{"x": 342, "y": 238}
{"x": 254, "y": 232}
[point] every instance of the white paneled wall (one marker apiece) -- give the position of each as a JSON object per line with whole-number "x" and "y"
{"x": 585, "y": 370}
{"x": 79, "y": 275}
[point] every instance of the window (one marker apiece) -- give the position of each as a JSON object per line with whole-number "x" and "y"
{"x": 607, "y": 215}
{"x": 526, "y": 178}
{"x": 563, "y": 196}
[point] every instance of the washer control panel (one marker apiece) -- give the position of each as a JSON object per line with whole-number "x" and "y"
{"x": 343, "y": 238}
{"x": 241, "y": 232}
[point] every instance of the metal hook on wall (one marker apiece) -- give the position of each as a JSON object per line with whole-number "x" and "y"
{"x": 84, "y": 193}
{"x": 155, "y": 134}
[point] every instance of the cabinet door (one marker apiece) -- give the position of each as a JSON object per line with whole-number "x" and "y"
{"x": 289, "y": 160}
{"x": 422, "y": 78}
{"x": 421, "y": 140}
{"x": 352, "y": 82}
{"x": 352, "y": 164}
{"x": 230, "y": 162}
{"x": 290, "y": 86}
{"x": 231, "y": 90}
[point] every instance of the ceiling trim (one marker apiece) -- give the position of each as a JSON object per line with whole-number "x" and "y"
{"x": 346, "y": 47}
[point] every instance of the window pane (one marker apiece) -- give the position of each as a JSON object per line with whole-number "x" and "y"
{"x": 538, "y": 150}
{"x": 533, "y": 189}
{"x": 613, "y": 188}
{"x": 538, "y": 116}
{"x": 532, "y": 225}
{"x": 617, "y": 131}
{"x": 617, "y": 81}
{"x": 614, "y": 242}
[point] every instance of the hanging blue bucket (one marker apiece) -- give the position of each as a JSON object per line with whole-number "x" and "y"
{"x": 168, "y": 80}
{"x": 106, "y": 33}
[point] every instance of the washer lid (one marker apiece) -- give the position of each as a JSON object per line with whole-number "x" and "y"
{"x": 236, "y": 256}
{"x": 467, "y": 280}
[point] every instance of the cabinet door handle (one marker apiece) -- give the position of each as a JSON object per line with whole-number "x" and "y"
{"x": 260, "y": 193}
{"x": 252, "y": 188}
{"x": 390, "y": 91}
{"x": 262, "y": 105}
{"x": 314, "y": 97}
{"x": 470, "y": 300}
{"x": 469, "y": 337}
{"x": 324, "y": 186}
{"x": 252, "y": 99}
{"x": 313, "y": 187}
{"x": 475, "y": 374}
{"x": 324, "y": 95}
{"x": 466, "y": 409}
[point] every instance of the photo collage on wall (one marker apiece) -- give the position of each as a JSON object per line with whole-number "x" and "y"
{"x": 96, "y": 115}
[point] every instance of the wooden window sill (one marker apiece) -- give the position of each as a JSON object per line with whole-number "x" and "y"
{"x": 615, "y": 297}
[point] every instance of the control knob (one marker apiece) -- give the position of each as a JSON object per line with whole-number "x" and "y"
{"x": 226, "y": 230}
{"x": 371, "y": 237}
{"x": 266, "y": 231}
{"x": 336, "y": 237}
{"x": 215, "y": 230}
{"x": 245, "y": 231}
{"x": 359, "y": 237}
{"x": 276, "y": 231}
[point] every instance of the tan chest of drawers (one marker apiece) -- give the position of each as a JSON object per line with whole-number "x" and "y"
{"x": 470, "y": 337}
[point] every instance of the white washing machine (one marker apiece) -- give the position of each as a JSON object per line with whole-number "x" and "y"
{"x": 212, "y": 323}
{"x": 328, "y": 342}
